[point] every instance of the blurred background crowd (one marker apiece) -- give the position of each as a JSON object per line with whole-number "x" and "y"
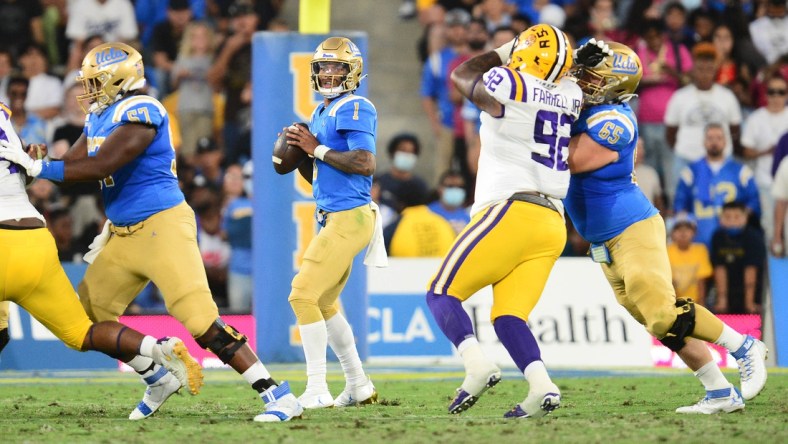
{"x": 711, "y": 109}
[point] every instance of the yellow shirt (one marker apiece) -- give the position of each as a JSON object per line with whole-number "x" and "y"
{"x": 688, "y": 268}
{"x": 421, "y": 233}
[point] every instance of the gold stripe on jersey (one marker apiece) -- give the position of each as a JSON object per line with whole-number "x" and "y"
{"x": 519, "y": 88}
{"x": 6, "y": 109}
{"x": 128, "y": 103}
{"x": 612, "y": 114}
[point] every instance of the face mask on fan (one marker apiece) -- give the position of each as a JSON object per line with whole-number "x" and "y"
{"x": 405, "y": 161}
{"x": 453, "y": 196}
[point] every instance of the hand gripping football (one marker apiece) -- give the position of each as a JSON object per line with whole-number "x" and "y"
{"x": 287, "y": 157}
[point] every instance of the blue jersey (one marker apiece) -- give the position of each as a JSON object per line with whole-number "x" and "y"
{"x": 348, "y": 123}
{"x": 148, "y": 184}
{"x": 604, "y": 202}
{"x": 702, "y": 193}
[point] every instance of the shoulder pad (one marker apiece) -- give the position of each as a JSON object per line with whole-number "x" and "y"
{"x": 505, "y": 85}
{"x": 354, "y": 112}
{"x": 139, "y": 109}
{"x": 611, "y": 128}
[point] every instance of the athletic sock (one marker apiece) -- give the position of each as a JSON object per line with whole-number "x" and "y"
{"x": 340, "y": 338}
{"x": 259, "y": 377}
{"x": 314, "y": 338}
{"x": 711, "y": 377}
{"x": 730, "y": 338}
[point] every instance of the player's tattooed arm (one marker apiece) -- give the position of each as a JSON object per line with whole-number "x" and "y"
{"x": 467, "y": 78}
{"x": 353, "y": 162}
{"x": 121, "y": 147}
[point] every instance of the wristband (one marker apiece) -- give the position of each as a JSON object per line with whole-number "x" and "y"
{"x": 52, "y": 170}
{"x": 320, "y": 151}
{"x": 505, "y": 50}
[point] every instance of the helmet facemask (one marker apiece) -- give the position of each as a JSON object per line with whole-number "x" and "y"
{"x": 339, "y": 51}
{"x": 335, "y": 74}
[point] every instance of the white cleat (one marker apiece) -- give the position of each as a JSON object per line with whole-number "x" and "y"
{"x": 161, "y": 386}
{"x": 280, "y": 405}
{"x": 725, "y": 400}
{"x": 537, "y": 404}
{"x": 477, "y": 380}
{"x": 360, "y": 395}
{"x": 751, "y": 358}
{"x": 316, "y": 399}
{"x": 175, "y": 357}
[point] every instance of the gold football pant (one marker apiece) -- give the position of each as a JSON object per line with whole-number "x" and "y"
{"x": 511, "y": 246}
{"x": 162, "y": 249}
{"x": 327, "y": 263}
{"x": 31, "y": 276}
{"x": 641, "y": 278}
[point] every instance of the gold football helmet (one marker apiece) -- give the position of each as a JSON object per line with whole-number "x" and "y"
{"x": 337, "y": 50}
{"x": 612, "y": 81}
{"x": 109, "y": 71}
{"x": 542, "y": 51}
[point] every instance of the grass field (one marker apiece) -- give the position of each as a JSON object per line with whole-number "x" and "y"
{"x": 606, "y": 407}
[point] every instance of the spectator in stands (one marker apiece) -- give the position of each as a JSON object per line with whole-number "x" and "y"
{"x": 78, "y": 54}
{"x": 770, "y": 32}
{"x": 731, "y": 64}
{"x": 215, "y": 251}
{"x": 209, "y": 162}
{"x": 493, "y": 13}
{"x": 190, "y": 78}
{"x": 400, "y": 187}
{"x": 451, "y": 200}
{"x": 664, "y": 66}
{"x": 648, "y": 179}
{"x": 70, "y": 122}
{"x": 418, "y": 232}
{"x": 53, "y": 23}
{"x": 150, "y": 13}
{"x": 6, "y": 70}
{"x": 60, "y": 224}
{"x": 20, "y": 24}
{"x": 113, "y": 20}
{"x": 45, "y": 91}
{"x": 762, "y": 130}
{"x": 237, "y": 226}
{"x": 709, "y": 183}
{"x": 738, "y": 253}
{"x": 780, "y": 194}
{"x": 232, "y": 74}
{"x": 675, "y": 18}
{"x": 689, "y": 262}
{"x": 703, "y": 21}
{"x": 165, "y": 41}
{"x": 29, "y": 127}
{"x": 694, "y": 106}
{"x": 435, "y": 97}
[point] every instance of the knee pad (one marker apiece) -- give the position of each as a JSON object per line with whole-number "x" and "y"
{"x": 224, "y": 342}
{"x": 682, "y": 327}
{"x": 4, "y": 339}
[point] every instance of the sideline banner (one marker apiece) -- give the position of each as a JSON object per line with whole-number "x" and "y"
{"x": 284, "y": 209}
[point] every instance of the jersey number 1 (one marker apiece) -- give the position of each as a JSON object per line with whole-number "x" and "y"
{"x": 556, "y": 153}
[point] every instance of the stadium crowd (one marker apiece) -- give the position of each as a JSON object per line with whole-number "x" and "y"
{"x": 712, "y": 112}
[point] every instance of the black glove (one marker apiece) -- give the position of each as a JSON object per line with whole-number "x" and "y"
{"x": 592, "y": 53}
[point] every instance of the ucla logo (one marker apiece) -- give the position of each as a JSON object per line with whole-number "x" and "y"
{"x": 110, "y": 56}
{"x": 354, "y": 49}
{"x": 624, "y": 65}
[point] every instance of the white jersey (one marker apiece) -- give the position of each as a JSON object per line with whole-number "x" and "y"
{"x": 14, "y": 203}
{"x": 526, "y": 148}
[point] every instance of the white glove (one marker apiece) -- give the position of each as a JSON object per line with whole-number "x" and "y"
{"x": 505, "y": 50}
{"x": 13, "y": 152}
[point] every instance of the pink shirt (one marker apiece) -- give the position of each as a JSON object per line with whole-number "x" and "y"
{"x": 654, "y": 97}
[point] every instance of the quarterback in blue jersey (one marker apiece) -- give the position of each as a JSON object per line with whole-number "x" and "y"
{"x": 341, "y": 138}
{"x": 151, "y": 234}
{"x": 628, "y": 239}
{"x": 709, "y": 183}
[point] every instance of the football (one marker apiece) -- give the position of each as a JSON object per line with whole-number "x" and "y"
{"x": 286, "y": 157}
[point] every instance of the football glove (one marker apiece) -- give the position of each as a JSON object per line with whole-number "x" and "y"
{"x": 13, "y": 152}
{"x": 592, "y": 53}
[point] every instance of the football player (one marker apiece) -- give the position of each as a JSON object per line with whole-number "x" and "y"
{"x": 517, "y": 229}
{"x": 343, "y": 147}
{"x": 32, "y": 277}
{"x": 627, "y": 234}
{"x": 152, "y": 235}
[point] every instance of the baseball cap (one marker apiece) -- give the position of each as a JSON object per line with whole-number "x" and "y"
{"x": 241, "y": 7}
{"x": 179, "y": 5}
{"x": 457, "y": 16}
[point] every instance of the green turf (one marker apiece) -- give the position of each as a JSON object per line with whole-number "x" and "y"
{"x": 609, "y": 409}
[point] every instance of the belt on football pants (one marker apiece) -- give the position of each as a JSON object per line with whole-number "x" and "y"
{"x": 534, "y": 198}
{"x": 127, "y": 230}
